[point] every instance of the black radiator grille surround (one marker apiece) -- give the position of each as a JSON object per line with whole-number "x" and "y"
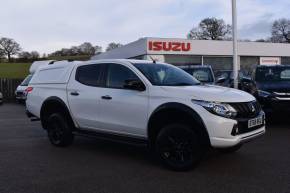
{"x": 247, "y": 109}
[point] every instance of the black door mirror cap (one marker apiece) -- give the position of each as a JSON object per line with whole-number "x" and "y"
{"x": 134, "y": 84}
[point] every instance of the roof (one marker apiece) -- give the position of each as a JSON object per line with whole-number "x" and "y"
{"x": 130, "y": 50}
{"x": 198, "y": 47}
{"x": 35, "y": 65}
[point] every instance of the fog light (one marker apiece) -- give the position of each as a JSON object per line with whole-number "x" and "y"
{"x": 235, "y": 130}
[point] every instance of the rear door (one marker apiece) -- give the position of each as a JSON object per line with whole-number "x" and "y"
{"x": 84, "y": 96}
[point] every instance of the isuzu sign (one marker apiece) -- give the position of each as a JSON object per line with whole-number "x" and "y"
{"x": 168, "y": 46}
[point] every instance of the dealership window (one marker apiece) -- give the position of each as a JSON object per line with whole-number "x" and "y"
{"x": 182, "y": 60}
{"x": 219, "y": 63}
{"x": 285, "y": 60}
{"x": 249, "y": 63}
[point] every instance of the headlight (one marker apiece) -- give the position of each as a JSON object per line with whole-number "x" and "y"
{"x": 262, "y": 93}
{"x": 221, "y": 109}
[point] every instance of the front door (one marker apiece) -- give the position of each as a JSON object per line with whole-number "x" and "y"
{"x": 123, "y": 110}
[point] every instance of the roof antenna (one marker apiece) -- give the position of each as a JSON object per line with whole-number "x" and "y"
{"x": 154, "y": 61}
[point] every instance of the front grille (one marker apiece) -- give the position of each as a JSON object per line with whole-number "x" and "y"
{"x": 242, "y": 127}
{"x": 247, "y": 110}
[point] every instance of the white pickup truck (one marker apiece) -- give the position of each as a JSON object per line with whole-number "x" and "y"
{"x": 142, "y": 101}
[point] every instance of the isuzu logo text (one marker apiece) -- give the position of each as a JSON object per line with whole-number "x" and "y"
{"x": 169, "y": 46}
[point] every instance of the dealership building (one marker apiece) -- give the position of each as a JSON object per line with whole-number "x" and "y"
{"x": 218, "y": 54}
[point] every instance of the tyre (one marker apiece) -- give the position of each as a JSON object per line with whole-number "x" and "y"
{"x": 230, "y": 149}
{"x": 178, "y": 147}
{"x": 59, "y": 130}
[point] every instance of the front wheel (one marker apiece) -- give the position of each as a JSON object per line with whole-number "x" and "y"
{"x": 178, "y": 147}
{"x": 59, "y": 131}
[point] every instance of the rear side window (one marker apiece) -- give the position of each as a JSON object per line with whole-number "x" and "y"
{"x": 89, "y": 75}
{"x": 26, "y": 80}
{"x": 118, "y": 74}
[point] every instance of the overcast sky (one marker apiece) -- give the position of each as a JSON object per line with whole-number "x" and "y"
{"x": 48, "y": 25}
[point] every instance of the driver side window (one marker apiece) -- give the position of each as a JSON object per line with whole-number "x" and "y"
{"x": 117, "y": 75}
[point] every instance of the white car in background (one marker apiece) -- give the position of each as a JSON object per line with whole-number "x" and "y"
{"x": 20, "y": 92}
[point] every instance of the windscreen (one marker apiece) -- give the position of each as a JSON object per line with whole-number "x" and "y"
{"x": 201, "y": 74}
{"x": 273, "y": 74}
{"x": 166, "y": 75}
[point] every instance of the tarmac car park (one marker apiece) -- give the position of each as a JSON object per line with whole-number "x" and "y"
{"x": 29, "y": 164}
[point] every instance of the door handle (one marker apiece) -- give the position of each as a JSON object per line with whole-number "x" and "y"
{"x": 74, "y": 93}
{"x": 107, "y": 97}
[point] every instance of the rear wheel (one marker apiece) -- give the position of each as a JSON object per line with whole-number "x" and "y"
{"x": 59, "y": 130}
{"x": 178, "y": 147}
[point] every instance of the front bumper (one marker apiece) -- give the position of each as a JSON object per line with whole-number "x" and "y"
{"x": 239, "y": 139}
{"x": 220, "y": 130}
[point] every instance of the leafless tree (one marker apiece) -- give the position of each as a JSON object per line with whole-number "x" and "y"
{"x": 2, "y": 54}
{"x": 24, "y": 55}
{"x": 113, "y": 45}
{"x": 9, "y": 47}
{"x": 87, "y": 48}
{"x": 98, "y": 49}
{"x": 281, "y": 31}
{"x": 34, "y": 55}
{"x": 211, "y": 29}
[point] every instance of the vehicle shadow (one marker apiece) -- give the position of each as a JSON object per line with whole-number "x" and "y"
{"x": 115, "y": 150}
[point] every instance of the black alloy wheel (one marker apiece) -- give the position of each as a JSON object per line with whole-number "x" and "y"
{"x": 178, "y": 147}
{"x": 59, "y": 132}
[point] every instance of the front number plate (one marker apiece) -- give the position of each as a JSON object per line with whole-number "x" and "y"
{"x": 255, "y": 122}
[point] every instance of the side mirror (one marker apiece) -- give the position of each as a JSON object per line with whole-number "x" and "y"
{"x": 134, "y": 84}
{"x": 221, "y": 80}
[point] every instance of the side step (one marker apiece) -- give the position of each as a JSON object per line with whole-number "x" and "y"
{"x": 112, "y": 137}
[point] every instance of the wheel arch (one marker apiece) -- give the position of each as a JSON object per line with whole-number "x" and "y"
{"x": 170, "y": 112}
{"x": 51, "y": 105}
